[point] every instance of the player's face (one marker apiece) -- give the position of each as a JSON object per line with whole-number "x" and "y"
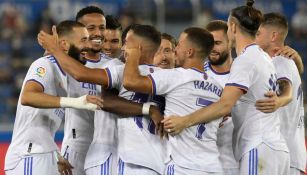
{"x": 95, "y": 24}
{"x": 230, "y": 33}
{"x": 79, "y": 44}
{"x": 263, "y": 37}
{"x": 181, "y": 49}
{"x": 112, "y": 43}
{"x": 165, "y": 56}
{"x": 220, "y": 51}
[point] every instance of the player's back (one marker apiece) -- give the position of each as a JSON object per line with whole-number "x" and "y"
{"x": 254, "y": 72}
{"x": 185, "y": 91}
{"x": 34, "y": 128}
{"x": 292, "y": 115}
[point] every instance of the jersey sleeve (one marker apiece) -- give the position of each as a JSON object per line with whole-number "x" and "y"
{"x": 282, "y": 66}
{"x": 241, "y": 74}
{"x": 163, "y": 81}
{"x": 115, "y": 76}
{"x": 40, "y": 72}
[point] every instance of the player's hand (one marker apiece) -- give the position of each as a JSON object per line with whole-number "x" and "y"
{"x": 133, "y": 53}
{"x": 49, "y": 42}
{"x": 64, "y": 167}
{"x": 94, "y": 100}
{"x": 174, "y": 124}
{"x": 157, "y": 118}
{"x": 269, "y": 104}
{"x": 288, "y": 52}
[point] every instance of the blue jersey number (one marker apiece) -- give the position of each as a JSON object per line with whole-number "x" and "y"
{"x": 201, "y": 127}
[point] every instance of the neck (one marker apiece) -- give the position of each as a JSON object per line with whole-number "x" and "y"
{"x": 194, "y": 63}
{"x": 242, "y": 42}
{"x": 273, "y": 48}
{"x": 146, "y": 60}
{"x": 93, "y": 56}
{"x": 225, "y": 67}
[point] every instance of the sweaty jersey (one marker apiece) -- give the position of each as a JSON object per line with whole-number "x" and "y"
{"x": 34, "y": 128}
{"x": 292, "y": 115}
{"x": 105, "y": 131}
{"x": 137, "y": 142}
{"x": 79, "y": 123}
{"x": 224, "y": 133}
{"x": 254, "y": 73}
{"x": 185, "y": 91}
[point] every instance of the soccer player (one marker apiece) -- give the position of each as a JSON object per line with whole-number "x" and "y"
{"x": 218, "y": 66}
{"x": 165, "y": 56}
{"x": 186, "y": 90}
{"x": 271, "y": 36}
{"x": 112, "y": 38}
{"x": 144, "y": 158}
{"x": 258, "y": 143}
{"x": 40, "y": 109}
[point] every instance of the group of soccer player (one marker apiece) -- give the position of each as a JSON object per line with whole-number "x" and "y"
{"x": 137, "y": 102}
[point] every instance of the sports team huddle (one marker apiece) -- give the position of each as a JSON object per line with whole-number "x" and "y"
{"x": 139, "y": 102}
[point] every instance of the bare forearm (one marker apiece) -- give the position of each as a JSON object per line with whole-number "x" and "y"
{"x": 285, "y": 89}
{"x": 299, "y": 64}
{"x": 40, "y": 100}
{"x": 121, "y": 106}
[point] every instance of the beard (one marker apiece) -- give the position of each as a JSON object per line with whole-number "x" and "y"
{"x": 75, "y": 52}
{"x": 221, "y": 60}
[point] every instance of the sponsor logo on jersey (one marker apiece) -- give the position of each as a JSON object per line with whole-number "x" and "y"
{"x": 40, "y": 71}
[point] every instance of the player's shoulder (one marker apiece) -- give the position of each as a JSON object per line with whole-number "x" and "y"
{"x": 282, "y": 59}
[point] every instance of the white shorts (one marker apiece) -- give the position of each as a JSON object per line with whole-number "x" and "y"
{"x": 263, "y": 160}
{"x": 295, "y": 171}
{"x": 172, "y": 169}
{"x": 36, "y": 164}
{"x": 76, "y": 159}
{"x": 132, "y": 169}
{"x": 103, "y": 169}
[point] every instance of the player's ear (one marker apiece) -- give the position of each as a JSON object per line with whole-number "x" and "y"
{"x": 190, "y": 52}
{"x": 64, "y": 44}
{"x": 274, "y": 36}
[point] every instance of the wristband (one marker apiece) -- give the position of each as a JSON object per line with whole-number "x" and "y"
{"x": 146, "y": 107}
{"x": 77, "y": 103}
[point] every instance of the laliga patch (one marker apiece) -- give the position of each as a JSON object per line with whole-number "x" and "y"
{"x": 151, "y": 70}
{"x": 40, "y": 71}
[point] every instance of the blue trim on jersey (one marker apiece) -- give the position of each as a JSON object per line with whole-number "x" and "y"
{"x": 24, "y": 166}
{"x": 153, "y": 85}
{"x": 284, "y": 78}
{"x": 93, "y": 61}
{"x": 197, "y": 70}
{"x": 217, "y": 73}
{"x": 253, "y": 162}
{"x": 148, "y": 65}
{"x": 109, "y": 78}
{"x": 31, "y": 165}
{"x": 38, "y": 83}
{"x": 54, "y": 60}
{"x": 244, "y": 88}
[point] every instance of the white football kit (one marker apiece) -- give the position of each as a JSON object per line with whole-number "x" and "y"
{"x": 32, "y": 150}
{"x": 292, "y": 115}
{"x": 101, "y": 152}
{"x": 256, "y": 134}
{"x": 194, "y": 150}
{"x": 79, "y": 123}
{"x": 139, "y": 148}
{"x": 224, "y": 133}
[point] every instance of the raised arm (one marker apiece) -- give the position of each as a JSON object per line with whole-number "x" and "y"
{"x": 175, "y": 124}
{"x": 292, "y": 54}
{"x": 133, "y": 80}
{"x": 70, "y": 65}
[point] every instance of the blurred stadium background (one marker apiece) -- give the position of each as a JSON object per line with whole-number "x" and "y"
{"x": 22, "y": 19}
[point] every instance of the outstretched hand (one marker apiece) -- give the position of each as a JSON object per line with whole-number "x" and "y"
{"x": 269, "y": 104}
{"x": 91, "y": 99}
{"x": 288, "y": 52}
{"x": 47, "y": 41}
{"x": 157, "y": 118}
{"x": 174, "y": 124}
{"x": 64, "y": 167}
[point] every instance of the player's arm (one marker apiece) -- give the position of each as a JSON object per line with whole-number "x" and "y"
{"x": 175, "y": 124}
{"x": 33, "y": 95}
{"x": 292, "y": 54}
{"x": 70, "y": 65}
{"x": 133, "y": 80}
{"x": 273, "y": 102}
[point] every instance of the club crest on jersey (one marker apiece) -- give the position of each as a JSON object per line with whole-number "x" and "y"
{"x": 151, "y": 70}
{"x": 40, "y": 71}
{"x": 205, "y": 76}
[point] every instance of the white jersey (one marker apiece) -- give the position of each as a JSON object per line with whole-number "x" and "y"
{"x": 79, "y": 124}
{"x": 137, "y": 142}
{"x": 185, "y": 91}
{"x": 34, "y": 128}
{"x": 254, "y": 73}
{"x": 292, "y": 115}
{"x": 104, "y": 140}
{"x": 224, "y": 133}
